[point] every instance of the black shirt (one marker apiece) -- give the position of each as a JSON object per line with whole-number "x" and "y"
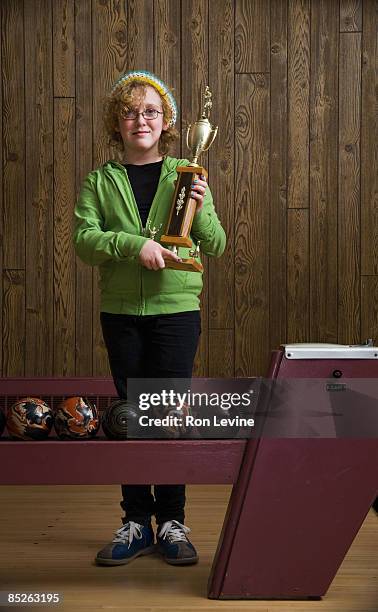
{"x": 144, "y": 180}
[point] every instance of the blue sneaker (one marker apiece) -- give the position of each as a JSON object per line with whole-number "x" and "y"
{"x": 174, "y": 545}
{"x": 131, "y": 541}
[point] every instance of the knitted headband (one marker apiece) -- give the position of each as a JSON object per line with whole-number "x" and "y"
{"x": 150, "y": 79}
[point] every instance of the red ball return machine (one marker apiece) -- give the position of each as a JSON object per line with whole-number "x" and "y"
{"x": 296, "y": 504}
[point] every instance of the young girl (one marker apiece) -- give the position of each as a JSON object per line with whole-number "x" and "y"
{"x": 150, "y": 314}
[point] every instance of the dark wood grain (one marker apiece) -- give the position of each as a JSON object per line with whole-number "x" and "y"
{"x": 350, "y": 15}
{"x": 194, "y": 78}
{"x": 167, "y": 52}
{"x": 349, "y": 230}
{"x": 221, "y": 161}
{"x": 369, "y": 308}
{"x": 39, "y": 188}
{"x": 278, "y": 173}
{"x": 83, "y": 164}
{"x": 369, "y": 140}
{"x": 298, "y": 272}
{"x": 323, "y": 170}
{"x": 221, "y": 353}
{"x": 252, "y": 36}
{"x": 194, "y": 71}
{"x": 64, "y": 47}
{"x": 298, "y": 74}
{"x": 1, "y": 197}
{"x": 64, "y": 257}
{"x": 139, "y": 34}
{"x": 251, "y": 225}
{"x": 13, "y": 137}
{"x": 14, "y": 322}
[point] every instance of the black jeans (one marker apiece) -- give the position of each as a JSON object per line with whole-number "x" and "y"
{"x": 152, "y": 346}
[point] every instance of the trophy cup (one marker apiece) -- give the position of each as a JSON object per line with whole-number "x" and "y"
{"x": 199, "y": 137}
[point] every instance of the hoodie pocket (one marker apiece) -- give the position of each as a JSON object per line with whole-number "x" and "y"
{"x": 163, "y": 281}
{"x": 119, "y": 278}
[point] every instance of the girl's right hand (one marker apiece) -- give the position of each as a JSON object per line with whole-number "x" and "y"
{"x": 152, "y": 255}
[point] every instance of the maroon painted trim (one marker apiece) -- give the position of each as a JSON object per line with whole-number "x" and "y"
{"x": 230, "y": 524}
{"x": 235, "y": 506}
{"x": 113, "y": 462}
{"x": 57, "y": 386}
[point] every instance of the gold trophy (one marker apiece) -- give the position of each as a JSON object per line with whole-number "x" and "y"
{"x": 199, "y": 137}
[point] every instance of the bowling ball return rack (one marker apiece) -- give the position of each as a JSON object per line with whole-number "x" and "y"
{"x": 296, "y": 504}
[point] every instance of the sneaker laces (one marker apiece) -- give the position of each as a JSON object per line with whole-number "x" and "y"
{"x": 127, "y": 533}
{"x": 174, "y": 531}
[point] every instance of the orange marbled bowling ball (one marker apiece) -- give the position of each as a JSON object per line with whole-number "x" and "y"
{"x": 77, "y": 418}
{"x": 30, "y": 418}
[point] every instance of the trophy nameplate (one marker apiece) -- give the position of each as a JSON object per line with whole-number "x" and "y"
{"x": 199, "y": 138}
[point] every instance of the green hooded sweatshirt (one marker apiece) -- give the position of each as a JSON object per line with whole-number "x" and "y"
{"x": 108, "y": 233}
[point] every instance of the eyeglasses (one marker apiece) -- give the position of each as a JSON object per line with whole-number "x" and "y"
{"x": 149, "y": 113}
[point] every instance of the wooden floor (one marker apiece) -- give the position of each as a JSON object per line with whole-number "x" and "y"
{"x": 50, "y": 535}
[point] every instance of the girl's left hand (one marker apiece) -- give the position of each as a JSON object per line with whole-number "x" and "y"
{"x": 198, "y": 191}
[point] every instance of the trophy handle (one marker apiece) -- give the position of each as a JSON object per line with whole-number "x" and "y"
{"x": 213, "y": 133}
{"x": 187, "y": 135}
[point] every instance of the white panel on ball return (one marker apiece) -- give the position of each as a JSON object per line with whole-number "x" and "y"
{"x": 331, "y": 351}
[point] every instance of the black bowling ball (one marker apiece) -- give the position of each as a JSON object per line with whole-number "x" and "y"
{"x": 116, "y": 418}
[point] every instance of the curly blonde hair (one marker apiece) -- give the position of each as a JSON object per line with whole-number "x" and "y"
{"x": 126, "y": 96}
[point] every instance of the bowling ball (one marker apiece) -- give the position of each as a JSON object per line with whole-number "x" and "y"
{"x": 174, "y": 422}
{"x": 116, "y": 418}
{"x": 76, "y": 418}
{"x": 30, "y": 418}
{"x": 2, "y": 421}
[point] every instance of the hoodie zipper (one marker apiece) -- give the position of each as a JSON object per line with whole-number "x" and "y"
{"x": 141, "y": 228}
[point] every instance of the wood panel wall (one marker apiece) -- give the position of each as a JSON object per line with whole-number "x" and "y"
{"x": 293, "y": 169}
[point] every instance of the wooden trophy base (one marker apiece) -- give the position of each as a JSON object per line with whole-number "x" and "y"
{"x": 188, "y": 265}
{"x": 181, "y": 216}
